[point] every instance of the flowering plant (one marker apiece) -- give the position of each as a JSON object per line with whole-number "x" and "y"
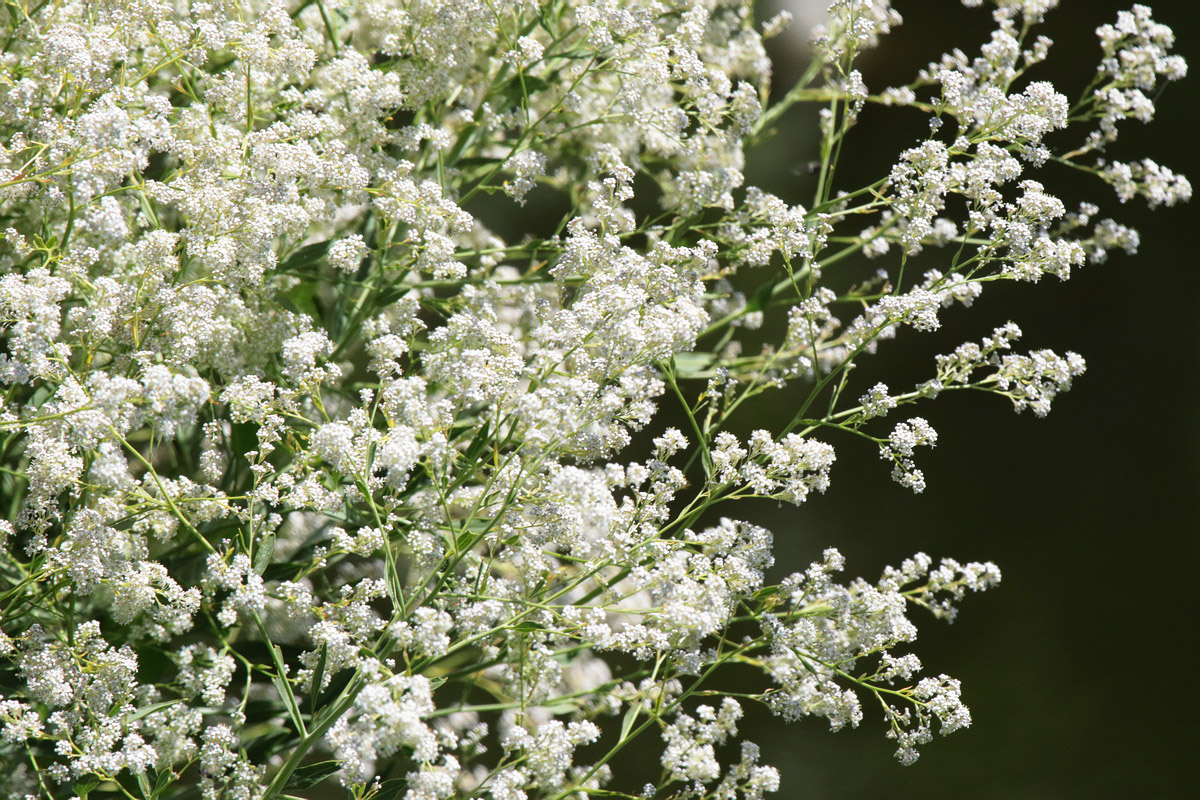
{"x": 308, "y": 476}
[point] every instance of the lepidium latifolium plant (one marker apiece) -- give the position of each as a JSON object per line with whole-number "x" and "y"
{"x": 313, "y": 483}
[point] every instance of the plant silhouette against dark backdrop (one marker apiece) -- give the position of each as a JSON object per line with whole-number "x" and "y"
{"x": 307, "y": 476}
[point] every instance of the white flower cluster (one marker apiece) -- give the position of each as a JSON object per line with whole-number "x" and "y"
{"x": 1137, "y": 54}
{"x": 855, "y": 25}
{"x": 899, "y": 447}
{"x": 787, "y": 469}
{"x": 828, "y": 629}
{"x": 876, "y": 402}
{"x": 1146, "y": 179}
{"x": 324, "y": 457}
{"x": 1030, "y": 381}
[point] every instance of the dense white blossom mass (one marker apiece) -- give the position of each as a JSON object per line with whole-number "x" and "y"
{"x": 309, "y": 474}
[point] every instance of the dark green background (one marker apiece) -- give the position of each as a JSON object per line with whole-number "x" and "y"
{"x": 1080, "y": 668}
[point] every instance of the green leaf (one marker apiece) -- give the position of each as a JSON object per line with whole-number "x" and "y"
{"x": 303, "y": 298}
{"x": 627, "y": 723}
{"x": 466, "y": 540}
{"x": 283, "y": 570}
{"x": 164, "y": 780}
{"x": 311, "y": 775}
{"x": 278, "y": 740}
{"x": 262, "y": 555}
{"x": 150, "y": 709}
{"x": 317, "y": 678}
{"x": 477, "y": 445}
{"x": 534, "y": 83}
{"x": 528, "y": 626}
{"x": 694, "y": 365}
{"x": 283, "y": 686}
{"x": 340, "y": 680}
{"x": 390, "y": 789}
{"x": 85, "y": 785}
{"x": 562, "y": 707}
{"x": 306, "y": 256}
